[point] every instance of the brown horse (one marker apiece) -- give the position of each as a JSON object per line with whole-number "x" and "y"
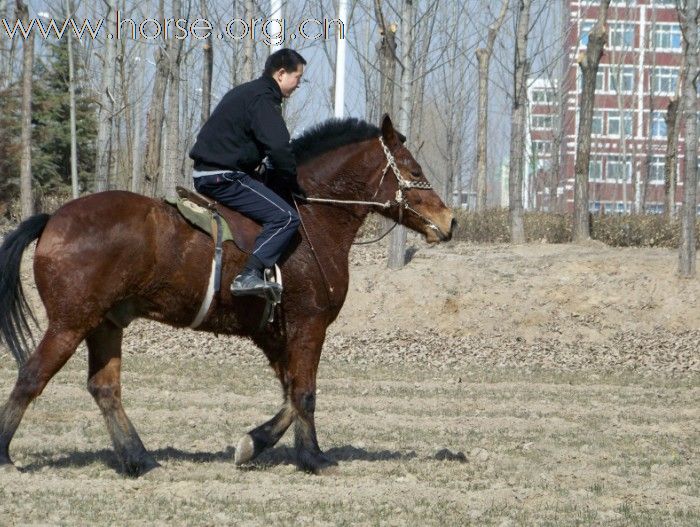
{"x": 105, "y": 259}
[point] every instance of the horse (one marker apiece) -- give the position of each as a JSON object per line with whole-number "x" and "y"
{"x": 105, "y": 259}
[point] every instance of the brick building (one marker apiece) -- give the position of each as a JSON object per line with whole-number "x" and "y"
{"x": 638, "y": 75}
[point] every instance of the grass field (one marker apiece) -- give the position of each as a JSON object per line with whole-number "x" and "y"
{"x": 540, "y": 447}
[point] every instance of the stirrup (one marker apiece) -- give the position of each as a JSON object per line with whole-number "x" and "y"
{"x": 273, "y": 296}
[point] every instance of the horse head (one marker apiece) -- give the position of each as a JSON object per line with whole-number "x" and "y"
{"x": 402, "y": 183}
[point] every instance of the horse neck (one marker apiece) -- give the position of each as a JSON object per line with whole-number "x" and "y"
{"x": 344, "y": 174}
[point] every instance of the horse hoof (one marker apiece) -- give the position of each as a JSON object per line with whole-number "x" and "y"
{"x": 139, "y": 468}
{"x": 245, "y": 450}
{"x": 318, "y": 464}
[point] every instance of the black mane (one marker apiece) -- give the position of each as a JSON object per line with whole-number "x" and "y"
{"x": 330, "y": 135}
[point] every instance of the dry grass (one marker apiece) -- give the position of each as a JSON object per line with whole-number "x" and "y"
{"x": 542, "y": 448}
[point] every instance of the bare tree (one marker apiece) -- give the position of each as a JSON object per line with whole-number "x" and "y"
{"x": 387, "y": 62}
{"x": 25, "y": 174}
{"x": 397, "y": 248}
{"x": 688, "y": 15}
{"x": 154, "y": 120}
{"x": 517, "y": 123}
{"x": 248, "y": 45}
{"x": 207, "y": 68}
{"x": 483, "y": 56}
{"x": 588, "y": 62}
{"x": 671, "y": 158}
{"x": 172, "y": 168}
{"x": 71, "y": 102}
{"x": 105, "y": 114}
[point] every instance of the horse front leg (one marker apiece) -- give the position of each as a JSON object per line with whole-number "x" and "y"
{"x": 304, "y": 353}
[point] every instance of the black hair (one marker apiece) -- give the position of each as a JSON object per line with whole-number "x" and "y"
{"x": 285, "y": 58}
{"x": 331, "y": 134}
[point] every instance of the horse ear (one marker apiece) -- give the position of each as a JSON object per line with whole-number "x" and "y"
{"x": 388, "y": 131}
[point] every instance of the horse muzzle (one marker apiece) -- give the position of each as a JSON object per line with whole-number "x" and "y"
{"x": 441, "y": 231}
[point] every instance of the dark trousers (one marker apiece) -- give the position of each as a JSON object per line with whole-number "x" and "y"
{"x": 240, "y": 192}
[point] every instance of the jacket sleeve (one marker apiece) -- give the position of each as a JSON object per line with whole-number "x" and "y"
{"x": 270, "y": 130}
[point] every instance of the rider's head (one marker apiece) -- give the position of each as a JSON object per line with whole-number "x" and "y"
{"x": 286, "y": 66}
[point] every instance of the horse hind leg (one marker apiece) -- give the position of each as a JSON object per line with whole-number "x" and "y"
{"x": 104, "y": 384}
{"x": 55, "y": 348}
{"x": 264, "y": 436}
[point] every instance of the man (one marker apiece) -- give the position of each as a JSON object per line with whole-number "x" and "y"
{"x": 244, "y": 128}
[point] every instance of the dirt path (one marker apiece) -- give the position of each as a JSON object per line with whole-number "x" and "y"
{"x": 569, "y": 377}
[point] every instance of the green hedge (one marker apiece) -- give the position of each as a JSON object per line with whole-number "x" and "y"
{"x": 633, "y": 230}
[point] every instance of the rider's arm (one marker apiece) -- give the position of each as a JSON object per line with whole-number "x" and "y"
{"x": 269, "y": 129}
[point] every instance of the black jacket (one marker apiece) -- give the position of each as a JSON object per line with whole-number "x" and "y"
{"x": 246, "y": 126}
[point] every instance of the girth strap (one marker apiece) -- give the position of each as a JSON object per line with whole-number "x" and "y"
{"x": 215, "y": 276}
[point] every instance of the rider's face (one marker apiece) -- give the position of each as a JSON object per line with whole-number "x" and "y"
{"x": 289, "y": 80}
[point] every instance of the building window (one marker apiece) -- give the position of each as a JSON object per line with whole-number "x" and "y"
{"x": 615, "y": 169}
{"x": 542, "y": 147}
{"x": 667, "y": 36}
{"x": 595, "y": 170}
{"x": 541, "y": 122}
{"x": 621, "y": 35}
{"x": 664, "y": 81}
{"x": 626, "y": 76}
{"x": 597, "y": 124}
{"x": 586, "y": 27}
{"x": 541, "y": 96}
{"x": 658, "y": 125}
{"x": 654, "y": 208}
{"x": 656, "y": 170}
{"x": 614, "y": 123}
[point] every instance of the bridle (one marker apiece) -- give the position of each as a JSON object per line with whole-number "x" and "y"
{"x": 398, "y": 201}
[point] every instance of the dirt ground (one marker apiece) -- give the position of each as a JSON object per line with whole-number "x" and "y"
{"x": 479, "y": 385}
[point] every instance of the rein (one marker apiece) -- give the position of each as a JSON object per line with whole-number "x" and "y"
{"x": 399, "y": 200}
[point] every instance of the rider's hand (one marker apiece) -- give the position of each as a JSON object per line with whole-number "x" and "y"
{"x": 297, "y": 190}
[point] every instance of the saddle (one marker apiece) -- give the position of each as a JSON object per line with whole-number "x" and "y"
{"x": 205, "y": 214}
{"x": 199, "y": 209}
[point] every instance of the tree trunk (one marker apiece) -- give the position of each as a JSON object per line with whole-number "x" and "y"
{"x": 154, "y": 121}
{"x": 71, "y": 102}
{"x": 387, "y": 63}
{"x": 517, "y": 125}
{"x": 207, "y": 69}
{"x": 172, "y": 175}
{"x": 556, "y": 148}
{"x": 397, "y": 248}
{"x": 248, "y": 45}
{"x": 105, "y": 114}
{"x": 25, "y": 171}
{"x": 136, "y": 159}
{"x": 671, "y": 158}
{"x": 588, "y": 62}
{"x": 689, "y": 23}
{"x": 483, "y": 56}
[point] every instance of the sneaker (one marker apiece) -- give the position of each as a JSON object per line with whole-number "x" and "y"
{"x": 250, "y": 283}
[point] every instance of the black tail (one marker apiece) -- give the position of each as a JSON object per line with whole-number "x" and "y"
{"x": 14, "y": 310}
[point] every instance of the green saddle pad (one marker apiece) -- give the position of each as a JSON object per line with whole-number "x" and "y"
{"x": 200, "y": 217}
